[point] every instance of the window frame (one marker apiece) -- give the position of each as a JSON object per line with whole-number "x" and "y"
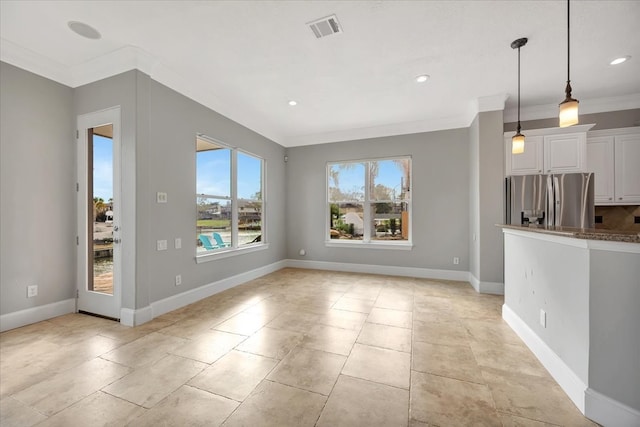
{"x": 234, "y": 248}
{"x": 367, "y": 202}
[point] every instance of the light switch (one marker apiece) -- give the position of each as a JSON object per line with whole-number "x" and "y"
{"x": 161, "y": 245}
{"x": 161, "y": 197}
{"x": 178, "y": 243}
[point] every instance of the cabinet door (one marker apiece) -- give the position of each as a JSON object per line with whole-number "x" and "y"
{"x": 527, "y": 163}
{"x": 600, "y": 161}
{"x": 565, "y": 153}
{"x": 627, "y": 164}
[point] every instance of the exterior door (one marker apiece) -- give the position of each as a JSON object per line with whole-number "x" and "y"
{"x": 99, "y": 253}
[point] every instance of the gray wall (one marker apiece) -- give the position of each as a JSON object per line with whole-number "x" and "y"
{"x": 474, "y": 197}
{"x": 608, "y": 120}
{"x": 37, "y": 190}
{"x": 174, "y": 121}
{"x": 440, "y": 194}
{"x": 486, "y": 196}
{"x": 159, "y": 126}
{"x": 614, "y": 340}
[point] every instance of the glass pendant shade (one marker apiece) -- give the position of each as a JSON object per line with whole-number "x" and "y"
{"x": 517, "y": 143}
{"x": 568, "y": 113}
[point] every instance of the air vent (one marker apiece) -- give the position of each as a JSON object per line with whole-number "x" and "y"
{"x": 325, "y": 26}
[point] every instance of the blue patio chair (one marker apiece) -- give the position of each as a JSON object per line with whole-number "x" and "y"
{"x": 219, "y": 241}
{"x": 206, "y": 242}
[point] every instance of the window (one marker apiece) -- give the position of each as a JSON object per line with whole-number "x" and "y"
{"x": 229, "y": 197}
{"x": 369, "y": 201}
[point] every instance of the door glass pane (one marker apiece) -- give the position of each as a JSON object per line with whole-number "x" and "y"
{"x": 101, "y": 209}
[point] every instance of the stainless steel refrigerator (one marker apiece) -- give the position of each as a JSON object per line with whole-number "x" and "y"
{"x": 553, "y": 200}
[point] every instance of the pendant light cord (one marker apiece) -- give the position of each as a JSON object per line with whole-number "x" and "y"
{"x": 568, "y": 42}
{"x": 519, "y": 127}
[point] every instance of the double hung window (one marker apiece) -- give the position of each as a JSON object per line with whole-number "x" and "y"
{"x": 369, "y": 201}
{"x": 229, "y": 197}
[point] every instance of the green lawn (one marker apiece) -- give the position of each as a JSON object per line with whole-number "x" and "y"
{"x": 213, "y": 223}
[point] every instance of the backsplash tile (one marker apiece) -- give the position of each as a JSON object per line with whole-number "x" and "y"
{"x": 618, "y": 217}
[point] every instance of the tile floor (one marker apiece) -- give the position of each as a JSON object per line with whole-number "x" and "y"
{"x": 294, "y": 348}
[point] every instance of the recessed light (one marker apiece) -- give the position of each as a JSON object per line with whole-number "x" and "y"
{"x": 84, "y": 30}
{"x": 293, "y": 103}
{"x": 423, "y": 78}
{"x": 620, "y": 60}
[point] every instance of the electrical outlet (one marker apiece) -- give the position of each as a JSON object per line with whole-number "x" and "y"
{"x": 543, "y": 318}
{"x": 456, "y": 260}
{"x": 161, "y": 245}
{"x": 178, "y": 280}
{"x": 32, "y": 291}
{"x": 161, "y": 197}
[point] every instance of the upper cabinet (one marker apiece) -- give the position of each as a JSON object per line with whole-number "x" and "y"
{"x": 627, "y": 168}
{"x": 600, "y": 161}
{"x": 614, "y": 157}
{"x": 556, "y": 150}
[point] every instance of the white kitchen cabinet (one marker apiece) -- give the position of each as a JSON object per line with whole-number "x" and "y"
{"x": 528, "y": 163}
{"x": 600, "y": 161}
{"x": 627, "y": 168}
{"x": 614, "y": 157}
{"x": 556, "y": 150}
{"x": 565, "y": 153}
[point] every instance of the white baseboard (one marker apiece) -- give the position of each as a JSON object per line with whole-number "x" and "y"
{"x": 129, "y": 317}
{"x": 157, "y": 308}
{"x": 36, "y": 314}
{"x": 572, "y": 385}
{"x": 495, "y": 288}
{"x": 609, "y": 412}
{"x": 386, "y": 270}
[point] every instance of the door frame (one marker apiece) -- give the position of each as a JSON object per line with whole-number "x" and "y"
{"x": 94, "y": 302}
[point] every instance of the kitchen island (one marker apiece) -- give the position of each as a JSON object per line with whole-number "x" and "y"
{"x": 573, "y": 296}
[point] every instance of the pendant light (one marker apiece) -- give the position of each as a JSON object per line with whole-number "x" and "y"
{"x": 568, "y": 107}
{"x": 517, "y": 141}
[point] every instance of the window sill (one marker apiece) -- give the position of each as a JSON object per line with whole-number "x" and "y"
{"x": 229, "y": 252}
{"x": 404, "y": 246}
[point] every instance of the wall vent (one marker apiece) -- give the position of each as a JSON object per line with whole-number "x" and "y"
{"x": 325, "y": 26}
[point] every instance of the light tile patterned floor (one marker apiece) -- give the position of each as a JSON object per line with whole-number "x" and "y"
{"x": 294, "y": 348}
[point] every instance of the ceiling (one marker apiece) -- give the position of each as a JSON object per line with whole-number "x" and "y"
{"x": 248, "y": 59}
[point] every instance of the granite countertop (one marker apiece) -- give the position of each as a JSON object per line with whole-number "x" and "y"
{"x": 580, "y": 233}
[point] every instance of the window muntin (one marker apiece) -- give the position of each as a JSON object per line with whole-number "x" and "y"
{"x": 229, "y": 197}
{"x": 369, "y": 201}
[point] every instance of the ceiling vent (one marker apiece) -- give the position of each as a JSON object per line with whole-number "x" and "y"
{"x": 325, "y": 26}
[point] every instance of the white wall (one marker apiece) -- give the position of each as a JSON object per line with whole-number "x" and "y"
{"x": 440, "y": 194}
{"x": 37, "y": 190}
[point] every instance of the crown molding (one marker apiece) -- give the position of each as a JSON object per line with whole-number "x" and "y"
{"x": 489, "y": 103}
{"x": 392, "y": 129}
{"x": 35, "y": 63}
{"x": 587, "y": 106}
{"x": 115, "y": 62}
